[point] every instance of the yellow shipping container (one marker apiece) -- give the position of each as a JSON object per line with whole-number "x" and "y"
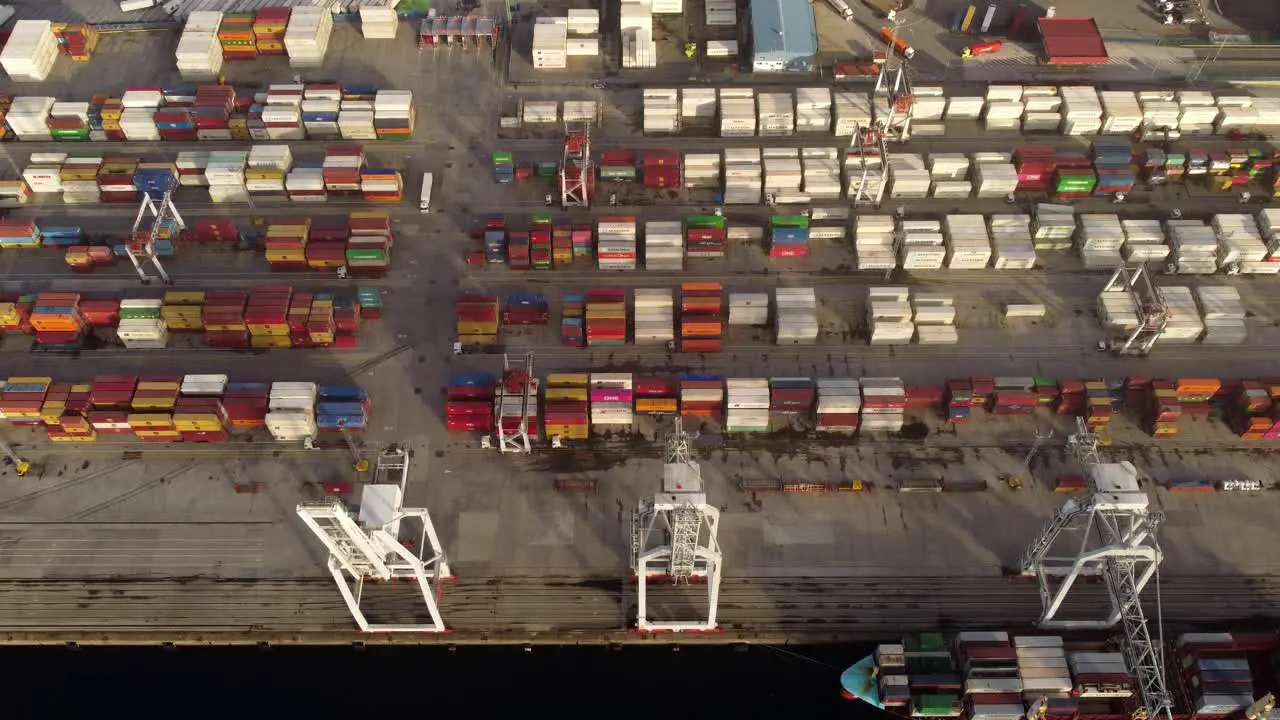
{"x": 258, "y": 174}
{"x": 159, "y": 385}
{"x": 656, "y": 405}
{"x": 286, "y": 256}
{"x": 321, "y": 338}
{"x": 154, "y": 403}
{"x": 268, "y": 330}
{"x": 148, "y": 420}
{"x": 158, "y": 434}
{"x": 568, "y": 432}
{"x": 51, "y": 412}
{"x": 184, "y": 297}
{"x": 477, "y": 328}
{"x": 567, "y": 379}
{"x": 81, "y": 388}
{"x": 28, "y": 380}
{"x": 562, "y": 393}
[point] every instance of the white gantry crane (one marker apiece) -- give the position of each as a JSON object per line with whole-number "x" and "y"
{"x": 517, "y": 396}
{"x": 675, "y": 535}
{"x": 865, "y": 166}
{"x": 1148, "y": 305}
{"x": 367, "y": 545}
{"x": 156, "y": 220}
{"x": 1118, "y": 542}
{"x": 892, "y": 98}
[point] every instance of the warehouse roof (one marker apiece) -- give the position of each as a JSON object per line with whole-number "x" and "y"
{"x": 785, "y": 27}
{"x": 1072, "y": 41}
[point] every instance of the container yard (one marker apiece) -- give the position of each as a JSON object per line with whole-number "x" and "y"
{"x": 675, "y": 351}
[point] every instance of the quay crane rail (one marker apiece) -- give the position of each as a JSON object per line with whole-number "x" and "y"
{"x": 675, "y": 535}
{"x": 366, "y": 545}
{"x": 1125, "y": 554}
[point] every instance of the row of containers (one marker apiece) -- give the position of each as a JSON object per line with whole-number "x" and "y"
{"x": 799, "y": 175}
{"x": 262, "y": 173}
{"x": 1079, "y": 110}
{"x": 149, "y": 113}
{"x": 182, "y": 408}
{"x": 361, "y": 242}
{"x": 994, "y": 676}
{"x": 1242, "y": 243}
{"x": 614, "y": 243}
{"x": 274, "y": 316}
{"x": 604, "y": 317}
{"x": 1250, "y": 408}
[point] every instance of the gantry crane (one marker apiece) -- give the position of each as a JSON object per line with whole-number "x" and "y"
{"x": 576, "y": 169}
{"x": 865, "y": 166}
{"x": 892, "y": 99}
{"x": 517, "y": 391}
{"x": 156, "y": 220}
{"x": 1118, "y": 542}
{"x": 1148, "y": 306}
{"x": 675, "y": 535}
{"x": 366, "y": 544}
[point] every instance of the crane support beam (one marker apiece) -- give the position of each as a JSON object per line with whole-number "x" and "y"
{"x": 367, "y": 546}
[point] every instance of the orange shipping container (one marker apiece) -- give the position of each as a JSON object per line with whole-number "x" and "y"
{"x": 656, "y": 405}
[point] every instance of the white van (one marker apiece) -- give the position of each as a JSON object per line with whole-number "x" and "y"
{"x": 424, "y": 201}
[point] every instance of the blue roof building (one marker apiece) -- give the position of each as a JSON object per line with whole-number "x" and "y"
{"x": 784, "y": 37}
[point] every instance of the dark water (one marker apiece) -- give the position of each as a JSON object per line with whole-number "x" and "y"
{"x": 289, "y": 683}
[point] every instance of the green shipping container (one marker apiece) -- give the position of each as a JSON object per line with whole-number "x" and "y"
{"x": 618, "y": 172}
{"x": 367, "y": 257}
{"x": 704, "y": 221}
{"x": 794, "y": 221}
{"x": 503, "y": 158}
{"x": 139, "y": 313}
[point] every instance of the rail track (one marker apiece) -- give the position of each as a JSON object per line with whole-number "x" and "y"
{"x": 528, "y": 608}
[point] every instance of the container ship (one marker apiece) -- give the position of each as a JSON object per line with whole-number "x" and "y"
{"x": 998, "y": 676}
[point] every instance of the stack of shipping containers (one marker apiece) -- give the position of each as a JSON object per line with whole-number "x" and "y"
{"x": 606, "y": 317}
{"x": 656, "y": 396}
{"x": 654, "y": 320}
{"x": 701, "y": 325}
{"x": 565, "y": 407}
{"x": 701, "y": 396}
{"x": 469, "y": 403}
{"x": 616, "y": 243}
{"x": 839, "y": 407}
{"x": 706, "y": 236}
{"x": 477, "y": 318}
{"x": 612, "y": 400}
{"x": 747, "y": 405}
